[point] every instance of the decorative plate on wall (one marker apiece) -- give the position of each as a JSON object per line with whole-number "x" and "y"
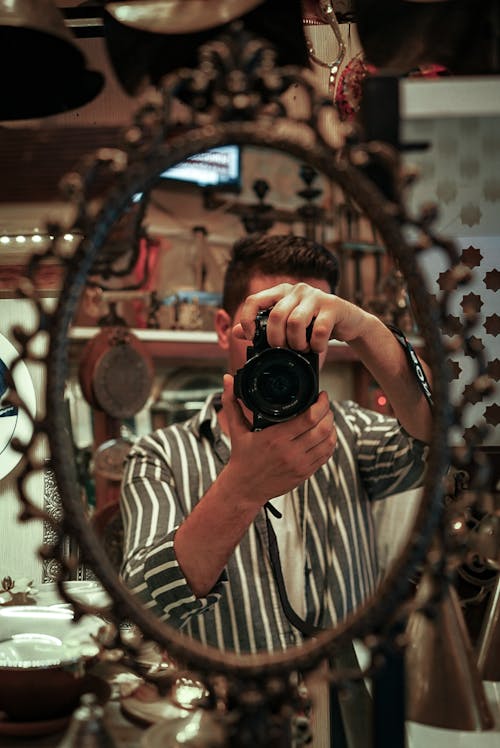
{"x": 14, "y": 421}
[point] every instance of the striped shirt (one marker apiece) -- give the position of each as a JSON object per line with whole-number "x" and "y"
{"x": 169, "y": 471}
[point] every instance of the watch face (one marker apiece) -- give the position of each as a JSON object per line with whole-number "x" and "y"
{"x": 15, "y": 422}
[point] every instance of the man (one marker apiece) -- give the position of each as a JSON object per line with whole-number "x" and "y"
{"x": 199, "y": 499}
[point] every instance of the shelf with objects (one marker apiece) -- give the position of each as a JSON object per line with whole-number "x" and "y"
{"x": 173, "y": 244}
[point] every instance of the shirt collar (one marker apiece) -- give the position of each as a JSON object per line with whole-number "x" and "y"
{"x": 205, "y": 423}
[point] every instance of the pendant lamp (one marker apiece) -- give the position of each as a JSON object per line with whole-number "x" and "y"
{"x": 178, "y": 16}
{"x": 488, "y": 647}
{"x": 43, "y": 70}
{"x": 443, "y": 682}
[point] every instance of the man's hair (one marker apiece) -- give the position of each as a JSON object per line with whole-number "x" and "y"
{"x": 265, "y": 254}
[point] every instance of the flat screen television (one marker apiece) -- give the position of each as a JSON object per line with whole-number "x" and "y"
{"x": 218, "y": 168}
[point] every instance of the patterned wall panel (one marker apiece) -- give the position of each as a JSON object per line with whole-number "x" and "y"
{"x": 460, "y": 172}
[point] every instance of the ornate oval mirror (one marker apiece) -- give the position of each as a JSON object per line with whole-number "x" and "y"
{"x": 237, "y": 97}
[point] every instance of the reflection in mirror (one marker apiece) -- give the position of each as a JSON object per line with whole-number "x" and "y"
{"x": 134, "y": 373}
{"x": 139, "y": 327}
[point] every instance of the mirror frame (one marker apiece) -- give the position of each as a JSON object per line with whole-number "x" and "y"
{"x": 308, "y": 139}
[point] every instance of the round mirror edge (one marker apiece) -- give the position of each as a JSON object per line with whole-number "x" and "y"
{"x": 369, "y": 199}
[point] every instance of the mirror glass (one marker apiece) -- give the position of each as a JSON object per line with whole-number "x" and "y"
{"x": 158, "y": 281}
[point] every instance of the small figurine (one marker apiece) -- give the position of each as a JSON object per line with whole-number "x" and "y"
{"x": 24, "y": 596}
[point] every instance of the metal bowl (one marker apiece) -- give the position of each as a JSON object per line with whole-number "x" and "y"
{"x": 44, "y": 656}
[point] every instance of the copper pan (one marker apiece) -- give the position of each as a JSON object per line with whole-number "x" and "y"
{"x": 109, "y": 458}
{"x": 116, "y": 372}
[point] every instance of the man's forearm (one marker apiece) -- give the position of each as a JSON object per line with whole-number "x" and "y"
{"x": 208, "y": 536}
{"x": 386, "y": 359}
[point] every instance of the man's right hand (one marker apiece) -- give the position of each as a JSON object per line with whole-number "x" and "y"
{"x": 271, "y": 462}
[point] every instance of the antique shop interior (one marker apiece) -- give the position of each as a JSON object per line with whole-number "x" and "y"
{"x": 139, "y": 140}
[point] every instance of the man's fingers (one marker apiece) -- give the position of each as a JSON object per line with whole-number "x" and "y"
{"x": 259, "y": 301}
{"x": 293, "y": 309}
{"x": 304, "y": 422}
{"x": 238, "y": 332}
{"x": 236, "y": 420}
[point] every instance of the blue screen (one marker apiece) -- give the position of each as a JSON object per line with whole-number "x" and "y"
{"x": 218, "y": 167}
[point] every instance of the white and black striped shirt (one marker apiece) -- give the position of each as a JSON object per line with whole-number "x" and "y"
{"x": 169, "y": 471}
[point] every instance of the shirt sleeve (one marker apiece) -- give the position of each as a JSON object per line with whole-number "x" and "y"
{"x": 389, "y": 459}
{"x": 151, "y": 514}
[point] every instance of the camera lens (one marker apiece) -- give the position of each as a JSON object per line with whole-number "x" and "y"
{"x": 278, "y": 383}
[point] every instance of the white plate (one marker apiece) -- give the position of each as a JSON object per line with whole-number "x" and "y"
{"x": 15, "y": 422}
{"x": 85, "y": 592}
{"x": 38, "y": 636}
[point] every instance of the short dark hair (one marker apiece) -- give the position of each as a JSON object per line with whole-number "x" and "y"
{"x": 275, "y": 254}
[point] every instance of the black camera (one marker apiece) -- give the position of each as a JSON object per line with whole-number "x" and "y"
{"x": 276, "y": 384}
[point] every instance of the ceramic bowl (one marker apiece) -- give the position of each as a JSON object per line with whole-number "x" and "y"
{"x": 85, "y": 592}
{"x": 44, "y": 656}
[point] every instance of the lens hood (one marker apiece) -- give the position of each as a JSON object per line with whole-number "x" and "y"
{"x": 277, "y": 384}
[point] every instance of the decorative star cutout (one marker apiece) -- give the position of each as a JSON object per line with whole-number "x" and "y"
{"x": 492, "y": 324}
{"x": 447, "y": 280}
{"x": 492, "y": 414}
{"x": 450, "y": 279}
{"x": 471, "y": 256}
{"x": 490, "y": 143}
{"x": 473, "y": 435}
{"x": 454, "y": 370}
{"x": 491, "y": 189}
{"x": 471, "y": 303}
{"x": 474, "y": 345}
{"x": 472, "y": 394}
{"x": 446, "y": 191}
{"x": 493, "y": 369}
{"x": 447, "y": 146}
{"x": 492, "y": 280}
{"x": 471, "y": 214}
{"x": 469, "y": 167}
{"x": 452, "y": 325}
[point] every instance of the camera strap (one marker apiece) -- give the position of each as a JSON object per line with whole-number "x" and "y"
{"x": 414, "y": 362}
{"x": 303, "y": 626}
{"x": 350, "y": 716}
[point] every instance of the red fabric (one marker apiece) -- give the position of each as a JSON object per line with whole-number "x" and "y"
{"x": 349, "y": 87}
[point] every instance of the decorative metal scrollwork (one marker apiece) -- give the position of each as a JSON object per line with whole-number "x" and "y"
{"x": 236, "y": 95}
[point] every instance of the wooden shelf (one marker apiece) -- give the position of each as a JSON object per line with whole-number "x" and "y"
{"x": 192, "y": 344}
{"x": 198, "y": 344}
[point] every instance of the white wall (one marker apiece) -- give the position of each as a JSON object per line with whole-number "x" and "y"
{"x": 19, "y": 542}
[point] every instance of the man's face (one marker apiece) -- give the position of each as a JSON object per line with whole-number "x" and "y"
{"x": 237, "y": 349}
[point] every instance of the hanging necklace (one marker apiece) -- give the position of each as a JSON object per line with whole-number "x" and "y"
{"x": 327, "y": 15}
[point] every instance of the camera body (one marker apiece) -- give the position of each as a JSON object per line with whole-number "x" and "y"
{"x": 276, "y": 384}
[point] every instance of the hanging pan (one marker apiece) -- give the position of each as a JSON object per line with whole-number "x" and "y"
{"x": 116, "y": 372}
